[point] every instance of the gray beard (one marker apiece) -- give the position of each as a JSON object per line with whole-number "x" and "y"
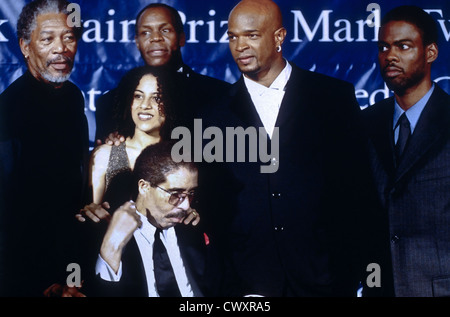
{"x": 56, "y": 79}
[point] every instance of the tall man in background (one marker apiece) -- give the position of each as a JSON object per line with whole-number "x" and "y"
{"x": 159, "y": 38}
{"x": 43, "y": 151}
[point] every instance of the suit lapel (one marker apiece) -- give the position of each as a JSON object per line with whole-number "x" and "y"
{"x": 192, "y": 253}
{"x": 434, "y": 120}
{"x": 242, "y": 105}
{"x": 134, "y": 272}
{"x": 296, "y": 95}
{"x": 382, "y": 135}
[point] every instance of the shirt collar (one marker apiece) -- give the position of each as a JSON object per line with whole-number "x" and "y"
{"x": 148, "y": 230}
{"x": 278, "y": 84}
{"x": 413, "y": 113}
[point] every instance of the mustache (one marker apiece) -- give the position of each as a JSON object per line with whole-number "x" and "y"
{"x": 175, "y": 214}
{"x": 59, "y": 59}
{"x": 391, "y": 65}
{"x": 179, "y": 214}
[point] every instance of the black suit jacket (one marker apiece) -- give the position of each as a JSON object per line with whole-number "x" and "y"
{"x": 202, "y": 268}
{"x": 293, "y": 232}
{"x": 415, "y": 196}
{"x": 192, "y": 90}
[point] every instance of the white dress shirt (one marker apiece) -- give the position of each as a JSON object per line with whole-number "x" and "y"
{"x": 144, "y": 237}
{"x": 267, "y": 100}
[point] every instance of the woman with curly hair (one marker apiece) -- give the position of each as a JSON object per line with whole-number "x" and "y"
{"x": 144, "y": 110}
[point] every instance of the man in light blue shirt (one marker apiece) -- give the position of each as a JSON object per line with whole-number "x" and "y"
{"x": 409, "y": 147}
{"x": 413, "y": 113}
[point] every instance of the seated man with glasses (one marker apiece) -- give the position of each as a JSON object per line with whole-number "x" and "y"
{"x": 143, "y": 252}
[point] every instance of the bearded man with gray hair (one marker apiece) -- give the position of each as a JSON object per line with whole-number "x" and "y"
{"x": 43, "y": 151}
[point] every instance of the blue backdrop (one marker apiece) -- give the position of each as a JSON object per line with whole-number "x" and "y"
{"x": 329, "y": 37}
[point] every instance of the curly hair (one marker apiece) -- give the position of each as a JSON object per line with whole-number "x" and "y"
{"x": 27, "y": 19}
{"x": 124, "y": 100}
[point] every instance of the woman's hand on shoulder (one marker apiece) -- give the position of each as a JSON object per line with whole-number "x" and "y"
{"x": 113, "y": 138}
{"x": 94, "y": 212}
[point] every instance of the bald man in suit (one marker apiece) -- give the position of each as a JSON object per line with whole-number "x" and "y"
{"x": 294, "y": 230}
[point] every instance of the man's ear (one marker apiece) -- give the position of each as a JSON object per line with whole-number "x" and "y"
{"x": 432, "y": 52}
{"x": 143, "y": 186}
{"x": 280, "y": 35}
{"x": 24, "y": 47}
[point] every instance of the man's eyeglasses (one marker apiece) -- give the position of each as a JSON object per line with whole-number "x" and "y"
{"x": 176, "y": 198}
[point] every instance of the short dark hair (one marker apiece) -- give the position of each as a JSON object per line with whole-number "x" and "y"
{"x": 416, "y": 16}
{"x": 27, "y": 19}
{"x": 155, "y": 162}
{"x": 177, "y": 23}
{"x": 125, "y": 93}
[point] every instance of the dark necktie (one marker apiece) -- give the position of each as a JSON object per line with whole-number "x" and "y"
{"x": 404, "y": 133}
{"x": 166, "y": 283}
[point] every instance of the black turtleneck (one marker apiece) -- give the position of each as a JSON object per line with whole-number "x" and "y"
{"x": 43, "y": 151}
